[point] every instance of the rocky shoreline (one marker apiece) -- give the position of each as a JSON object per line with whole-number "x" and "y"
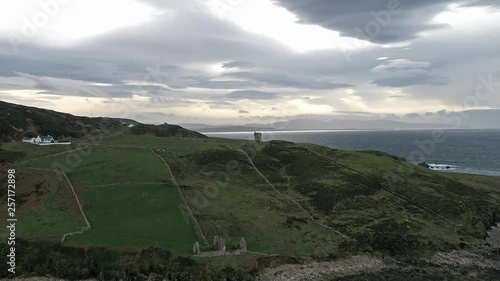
{"x": 447, "y": 265}
{"x": 318, "y": 270}
{"x": 455, "y": 265}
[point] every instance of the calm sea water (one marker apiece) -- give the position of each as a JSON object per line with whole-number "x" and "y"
{"x": 466, "y": 151}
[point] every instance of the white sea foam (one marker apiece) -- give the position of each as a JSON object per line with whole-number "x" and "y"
{"x": 442, "y": 167}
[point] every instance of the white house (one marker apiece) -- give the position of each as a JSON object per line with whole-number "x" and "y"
{"x": 131, "y": 125}
{"x": 30, "y": 140}
{"x": 44, "y": 139}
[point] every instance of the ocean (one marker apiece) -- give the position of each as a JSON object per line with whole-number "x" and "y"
{"x": 462, "y": 151}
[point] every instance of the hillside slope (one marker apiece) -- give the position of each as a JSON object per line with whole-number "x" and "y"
{"x": 314, "y": 197}
{"x": 285, "y": 199}
{"x": 18, "y": 121}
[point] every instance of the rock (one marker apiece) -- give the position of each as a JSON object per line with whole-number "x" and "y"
{"x": 423, "y": 164}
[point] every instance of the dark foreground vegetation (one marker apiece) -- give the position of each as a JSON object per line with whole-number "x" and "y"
{"x": 51, "y": 259}
{"x": 46, "y": 258}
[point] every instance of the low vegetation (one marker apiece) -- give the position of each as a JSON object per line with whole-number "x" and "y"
{"x": 165, "y": 130}
{"x": 18, "y": 121}
{"x": 45, "y": 206}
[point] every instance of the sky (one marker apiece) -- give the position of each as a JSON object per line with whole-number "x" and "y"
{"x": 250, "y": 61}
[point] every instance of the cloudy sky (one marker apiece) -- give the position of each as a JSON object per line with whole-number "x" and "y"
{"x": 249, "y": 61}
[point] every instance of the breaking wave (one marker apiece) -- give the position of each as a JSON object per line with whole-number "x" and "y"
{"x": 445, "y": 167}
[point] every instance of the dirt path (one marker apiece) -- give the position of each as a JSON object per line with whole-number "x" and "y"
{"x": 291, "y": 199}
{"x": 22, "y": 163}
{"x": 196, "y": 225}
{"x": 423, "y": 208}
{"x": 87, "y": 226}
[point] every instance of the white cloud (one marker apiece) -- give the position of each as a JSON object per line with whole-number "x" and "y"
{"x": 62, "y": 23}
{"x": 263, "y": 17}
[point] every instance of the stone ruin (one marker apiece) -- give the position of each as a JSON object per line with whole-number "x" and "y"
{"x": 242, "y": 246}
{"x": 220, "y": 245}
{"x": 196, "y": 248}
{"x": 219, "y": 248}
{"x": 257, "y": 137}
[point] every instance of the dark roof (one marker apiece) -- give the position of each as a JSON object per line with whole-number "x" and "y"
{"x": 46, "y": 137}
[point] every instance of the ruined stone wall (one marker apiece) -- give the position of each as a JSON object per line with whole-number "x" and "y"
{"x": 220, "y": 249}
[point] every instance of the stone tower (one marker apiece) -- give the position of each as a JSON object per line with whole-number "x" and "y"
{"x": 258, "y": 137}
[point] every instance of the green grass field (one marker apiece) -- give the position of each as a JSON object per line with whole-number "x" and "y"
{"x": 31, "y": 151}
{"x": 136, "y": 216}
{"x": 384, "y": 205}
{"x": 172, "y": 144}
{"x": 106, "y": 165}
{"x": 238, "y": 203}
{"x": 52, "y": 212}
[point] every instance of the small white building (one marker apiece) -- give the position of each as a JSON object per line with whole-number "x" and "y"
{"x": 30, "y": 140}
{"x": 131, "y": 125}
{"x": 44, "y": 139}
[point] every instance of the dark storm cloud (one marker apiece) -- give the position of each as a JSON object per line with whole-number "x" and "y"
{"x": 378, "y": 21}
{"x": 403, "y": 73}
{"x": 237, "y": 64}
{"x": 52, "y": 66}
{"x": 284, "y": 79}
{"x": 69, "y": 87}
{"x": 412, "y": 115}
{"x": 412, "y": 79}
{"x": 208, "y": 83}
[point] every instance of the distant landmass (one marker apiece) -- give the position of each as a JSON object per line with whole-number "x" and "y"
{"x": 471, "y": 119}
{"x": 305, "y": 124}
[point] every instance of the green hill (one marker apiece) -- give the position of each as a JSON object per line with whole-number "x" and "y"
{"x": 167, "y": 187}
{"x": 17, "y": 121}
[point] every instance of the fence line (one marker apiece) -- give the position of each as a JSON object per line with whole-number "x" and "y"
{"x": 196, "y": 225}
{"x": 87, "y": 226}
